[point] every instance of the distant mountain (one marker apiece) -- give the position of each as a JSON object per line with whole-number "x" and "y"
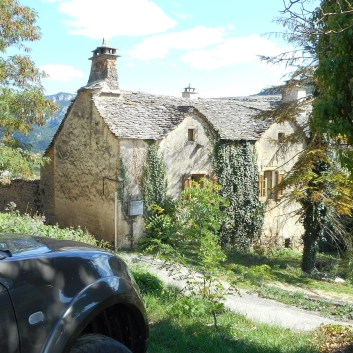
{"x": 40, "y": 137}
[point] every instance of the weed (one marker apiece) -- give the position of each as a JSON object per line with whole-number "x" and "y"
{"x": 300, "y": 300}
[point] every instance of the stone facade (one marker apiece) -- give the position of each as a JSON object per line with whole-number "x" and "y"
{"x": 281, "y": 226}
{"x": 106, "y": 129}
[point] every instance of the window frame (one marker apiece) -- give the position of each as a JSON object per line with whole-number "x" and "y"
{"x": 269, "y": 179}
{"x": 191, "y": 134}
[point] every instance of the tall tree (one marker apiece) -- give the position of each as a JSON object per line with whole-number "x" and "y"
{"x": 22, "y": 100}
{"x": 333, "y": 107}
{"x": 317, "y": 181}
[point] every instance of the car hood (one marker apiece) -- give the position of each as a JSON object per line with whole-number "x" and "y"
{"x": 34, "y": 259}
{"x": 24, "y": 244}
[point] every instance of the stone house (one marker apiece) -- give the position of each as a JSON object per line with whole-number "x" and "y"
{"x": 106, "y": 127}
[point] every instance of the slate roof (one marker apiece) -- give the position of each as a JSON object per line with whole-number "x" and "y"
{"x": 139, "y": 115}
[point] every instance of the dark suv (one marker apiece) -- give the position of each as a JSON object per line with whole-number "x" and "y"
{"x": 61, "y": 296}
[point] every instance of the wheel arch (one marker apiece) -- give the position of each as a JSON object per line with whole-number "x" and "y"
{"x": 109, "y": 306}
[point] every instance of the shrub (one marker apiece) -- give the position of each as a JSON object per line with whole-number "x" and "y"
{"x": 14, "y": 222}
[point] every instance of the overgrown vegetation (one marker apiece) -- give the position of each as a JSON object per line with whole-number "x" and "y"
{"x": 153, "y": 180}
{"x": 14, "y": 222}
{"x": 191, "y": 232}
{"x": 303, "y": 301}
{"x": 181, "y": 322}
{"x": 277, "y": 275}
{"x": 236, "y": 170}
{"x": 184, "y": 320}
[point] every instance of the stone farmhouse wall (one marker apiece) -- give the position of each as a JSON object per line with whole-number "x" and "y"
{"x": 25, "y": 194}
{"x": 84, "y": 156}
{"x": 281, "y": 225}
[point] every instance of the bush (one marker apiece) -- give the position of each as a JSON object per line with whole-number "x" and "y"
{"x": 148, "y": 283}
{"x": 191, "y": 307}
{"x": 14, "y": 222}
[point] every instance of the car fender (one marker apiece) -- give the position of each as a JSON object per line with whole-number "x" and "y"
{"x": 93, "y": 299}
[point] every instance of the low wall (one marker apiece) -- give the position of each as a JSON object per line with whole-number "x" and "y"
{"x": 24, "y": 193}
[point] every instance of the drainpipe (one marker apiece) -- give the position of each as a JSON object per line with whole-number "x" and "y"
{"x": 116, "y": 220}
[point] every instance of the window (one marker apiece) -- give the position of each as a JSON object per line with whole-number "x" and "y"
{"x": 191, "y": 134}
{"x": 188, "y": 179}
{"x": 281, "y": 136}
{"x": 268, "y": 182}
{"x": 197, "y": 177}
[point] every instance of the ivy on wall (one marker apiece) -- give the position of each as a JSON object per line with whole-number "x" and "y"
{"x": 236, "y": 169}
{"x": 154, "y": 179}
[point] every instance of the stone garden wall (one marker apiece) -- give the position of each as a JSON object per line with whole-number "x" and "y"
{"x": 25, "y": 194}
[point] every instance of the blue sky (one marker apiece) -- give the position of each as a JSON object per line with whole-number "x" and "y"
{"x": 164, "y": 45}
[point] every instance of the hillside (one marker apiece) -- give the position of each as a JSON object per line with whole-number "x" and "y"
{"x": 39, "y": 137}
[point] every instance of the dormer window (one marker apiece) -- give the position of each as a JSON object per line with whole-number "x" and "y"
{"x": 191, "y": 135}
{"x": 281, "y": 136}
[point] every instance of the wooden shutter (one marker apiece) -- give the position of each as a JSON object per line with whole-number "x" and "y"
{"x": 280, "y": 190}
{"x": 261, "y": 180}
{"x": 186, "y": 183}
{"x": 268, "y": 183}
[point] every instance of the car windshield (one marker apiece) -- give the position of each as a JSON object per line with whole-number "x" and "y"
{"x": 21, "y": 244}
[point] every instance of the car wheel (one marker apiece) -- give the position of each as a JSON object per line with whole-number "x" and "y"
{"x": 94, "y": 343}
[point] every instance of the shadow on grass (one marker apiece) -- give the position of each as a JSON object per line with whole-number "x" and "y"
{"x": 192, "y": 330}
{"x": 290, "y": 279}
{"x": 169, "y": 337}
{"x": 248, "y": 260}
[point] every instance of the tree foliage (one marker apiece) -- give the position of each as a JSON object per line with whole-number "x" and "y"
{"x": 190, "y": 235}
{"x": 333, "y": 106}
{"x": 22, "y": 100}
{"x": 320, "y": 59}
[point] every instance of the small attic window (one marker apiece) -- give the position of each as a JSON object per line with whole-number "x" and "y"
{"x": 281, "y": 136}
{"x": 191, "y": 134}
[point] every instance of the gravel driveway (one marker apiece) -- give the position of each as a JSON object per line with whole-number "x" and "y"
{"x": 255, "y": 308}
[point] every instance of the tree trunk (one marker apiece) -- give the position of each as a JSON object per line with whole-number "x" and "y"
{"x": 309, "y": 251}
{"x": 313, "y": 222}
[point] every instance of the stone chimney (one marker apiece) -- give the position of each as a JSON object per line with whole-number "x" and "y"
{"x": 103, "y": 66}
{"x": 189, "y": 92}
{"x": 293, "y": 92}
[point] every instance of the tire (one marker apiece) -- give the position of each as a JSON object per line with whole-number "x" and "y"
{"x": 95, "y": 343}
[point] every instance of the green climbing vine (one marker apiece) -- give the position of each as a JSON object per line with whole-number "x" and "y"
{"x": 124, "y": 185}
{"x": 154, "y": 179}
{"x": 236, "y": 169}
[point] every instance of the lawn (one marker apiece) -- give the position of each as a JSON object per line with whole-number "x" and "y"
{"x": 184, "y": 324}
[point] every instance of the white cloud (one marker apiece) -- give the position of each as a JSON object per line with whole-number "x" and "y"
{"x": 176, "y": 4}
{"x": 109, "y": 18}
{"x": 183, "y": 16}
{"x": 230, "y": 26}
{"x": 52, "y": 0}
{"x": 58, "y": 72}
{"x": 232, "y": 51}
{"x": 231, "y": 90}
{"x": 158, "y": 46}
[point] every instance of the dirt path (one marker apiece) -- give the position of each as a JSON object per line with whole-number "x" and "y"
{"x": 255, "y": 308}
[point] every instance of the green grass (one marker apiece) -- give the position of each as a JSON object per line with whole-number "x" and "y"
{"x": 284, "y": 266}
{"x": 324, "y": 307}
{"x": 182, "y": 324}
